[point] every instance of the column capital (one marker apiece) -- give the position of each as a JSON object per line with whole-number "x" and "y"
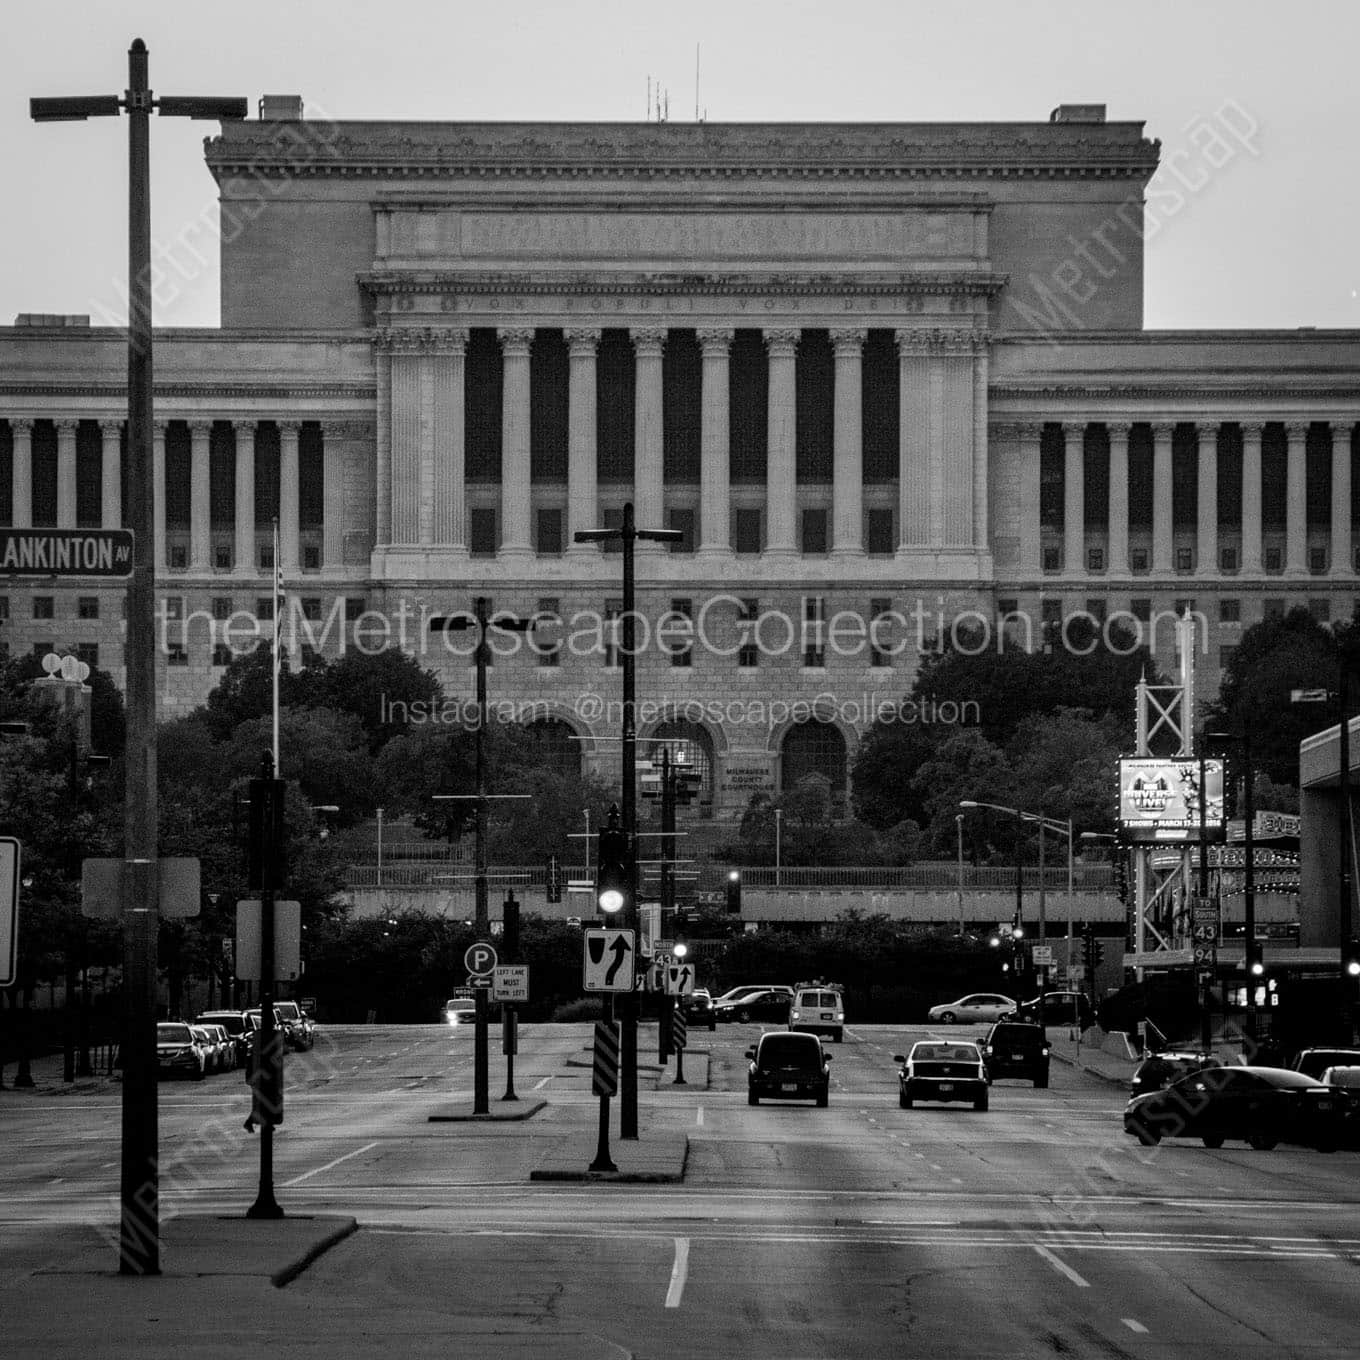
{"x": 21, "y": 425}
{"x": 716, "y": 339}
{"x": 1252, "y": 428}
{"x": 849, "y": 341}
{"x": 199, "y": 429}
{"x": 239, "y": 423}
{"x": 648, "y": 340}
{"x": 158, "y": 429}
{"x": 449, "y": 340}
{"x": 1118, "y": 429}
{"x": 782, "y": 340}
{"x": 66, "y": 425}
{"x": 1029, "y": 429}
{"x": 582, "y": 340}
{"x": 1162, "y": 429}
{"x": 111, "y": 427}
{"x": 1296, "y": 429}
{"x": 515, "y": 340}
{"x": 288, "y": 427}
{"x": 940, "y": 340}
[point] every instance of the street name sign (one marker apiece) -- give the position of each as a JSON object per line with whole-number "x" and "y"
{"x": 510, "y": 982}
{"x": 9, "y": 909}
{"x": 65, "y": 552}
{"x": 607, "y": 964}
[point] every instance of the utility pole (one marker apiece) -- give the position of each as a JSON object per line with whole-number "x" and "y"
{"x": 139, "y": 1180}
{"x": 627, "y": 535}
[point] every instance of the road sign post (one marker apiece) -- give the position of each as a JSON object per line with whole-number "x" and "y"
{"x": 605, "y": 1083}
{"x": 9, "y": 910}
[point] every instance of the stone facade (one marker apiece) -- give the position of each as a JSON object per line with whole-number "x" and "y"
{"x": 883, "y": 378}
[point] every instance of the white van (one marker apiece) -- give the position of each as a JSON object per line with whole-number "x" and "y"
{"x": 818, "y": 1008}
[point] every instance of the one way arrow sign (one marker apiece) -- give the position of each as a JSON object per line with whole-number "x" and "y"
{"x": 609, "y": 960}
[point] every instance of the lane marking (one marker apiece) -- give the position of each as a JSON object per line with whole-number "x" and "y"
{"x": 1133, "y": 1324}
{"x": 317, "y": 1170}
{"x": 678, "y": 1272}
{"x": 699, "y": 1116}
{"x": 1060, "y": 1266}
{"x": 538, "y": 1086}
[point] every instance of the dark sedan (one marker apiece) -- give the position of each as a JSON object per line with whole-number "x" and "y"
{"x": 756, "y": 1006}
{"x": 1262, "y": 1106}
{"x": 698, "y": 1009}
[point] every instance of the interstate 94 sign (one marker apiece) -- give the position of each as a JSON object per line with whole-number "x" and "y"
{"x": 1159, "y": 799}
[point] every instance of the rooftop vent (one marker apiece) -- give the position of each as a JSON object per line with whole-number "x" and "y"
{"x": 1078, "y": 113}
{"x": 51, "y": 320}
{"x": 281, "y": 108}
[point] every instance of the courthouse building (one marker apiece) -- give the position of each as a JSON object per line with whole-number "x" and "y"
{"x": 882, "y": 378}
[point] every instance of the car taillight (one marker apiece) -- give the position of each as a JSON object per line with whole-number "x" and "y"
{"x": 797, "y": 1014}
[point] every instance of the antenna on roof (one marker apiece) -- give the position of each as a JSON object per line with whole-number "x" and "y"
{"x": 696, "y": 82}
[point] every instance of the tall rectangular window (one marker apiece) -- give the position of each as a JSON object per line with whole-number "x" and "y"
{"x": 550, "y": 532}
{"x": 682, "y": 652}
{"x": 879, "y": 607}
{"x": 748, "y": 654}
{"x": 546, "y": 635}
{"x": 746, "y": 529}
{"x": 613, "y": 608}
{"x": 878, "y": 531}
{"x": 482, "y": 531}
{"x": 814, "y": 532}
{"x": 682, "y": 518}
{"x": 814, "y": 631}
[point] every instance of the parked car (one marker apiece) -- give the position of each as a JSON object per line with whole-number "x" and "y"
{"x": 974, "y": 1008}
{"x": 1058, "y": 1008}
{"x": 207, "y": 1045}
{"x": 1017, "y": 1048}
{"x": 788, "y": 1066}
{"x": 749, "y": 989}
{"x": 1159, "y": 1070}
{"x": 1262, "y": 1106}
{"x": 237, "y": 1028}
{"x": 224, "y": 1047}
{"x": 458, "y": 1010}
{"x": 1314, "y": 1062}
{"x": 298, "y": 1024}
{"x": 947, "y": 1072}
{"x": 178, "y": 1053}
{"x": 818, "y": 1008}
{"x": 697, "y": 1008}
{"x": 759, "y": 1005}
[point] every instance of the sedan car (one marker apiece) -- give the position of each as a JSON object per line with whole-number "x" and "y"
{"x": 1262, "y": 1106}
{"x": 769, "y": 1005}
{"x": 697, "y": 1008}
{"x": 297, "y": 1024}
{"x": 975, "y": 1008}
{"x": 459, "y": 1012}
{"x": 787, "y": 1065}
{"x": 750, "y": 989}
{"x": 177, "y": 1052}
{"x": 936, "y": 1071}
{"x": 1058, "y": 1008}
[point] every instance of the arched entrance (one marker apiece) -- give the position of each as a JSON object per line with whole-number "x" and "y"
{"x": 814, "y": 749}
{"x": 559, "y": 748}
{"x": 699, "y": 742}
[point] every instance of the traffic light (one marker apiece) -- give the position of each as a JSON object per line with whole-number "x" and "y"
{"x": 1352, "y": 959}
{"x": 1121, "y": 878}
{"x": 1256, "y": 965}
{"x": 613, "y": 883}
{"x": 510, "y": 926}
{"x": 1093, "y": 950}
{"x": 734, "y": 891}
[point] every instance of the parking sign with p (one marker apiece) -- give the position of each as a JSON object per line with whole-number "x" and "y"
{"x": 480, "y": 958}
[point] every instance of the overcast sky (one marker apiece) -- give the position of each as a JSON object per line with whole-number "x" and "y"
{"x": 1255, "y": 101}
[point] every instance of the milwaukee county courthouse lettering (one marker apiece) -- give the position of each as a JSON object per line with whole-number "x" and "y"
{"x": 885, "y": 380}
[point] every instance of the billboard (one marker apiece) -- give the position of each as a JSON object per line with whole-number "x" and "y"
{"x": 1159, "y": 799}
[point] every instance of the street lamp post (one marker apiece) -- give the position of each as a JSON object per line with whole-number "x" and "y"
{"x": 778, "y": 828}
{"x": 139, "y": 1182}
{"x": 958, "y": 828}
{"x": 482, "y": 621}
{"x": 627, "y": 535}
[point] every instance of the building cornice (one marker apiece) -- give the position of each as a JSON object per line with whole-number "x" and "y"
{"x": 661, "y": 151}
{"x": 216, "y": 390}
{"x": 386, "y": 282}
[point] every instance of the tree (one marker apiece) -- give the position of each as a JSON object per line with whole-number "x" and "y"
{"x": 246, "y": 690}
{"x": 1274, "y": 657}
{"x": 386, "y": 691}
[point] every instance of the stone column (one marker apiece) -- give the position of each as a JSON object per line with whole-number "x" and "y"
{"x": 847, "y": 476}
{"x": 649, "y": 459}
{"x": 1031, "y": 544}
{"x": 110, "y": 475}
{"x": 1341, "y": 498}
{"x": 1074, "y": 499}
{"x": 449, "y": 519}
{"x": 914, "y": 462}
{"x": 66, "y": 474}
{"x": 1206, "y": 526}
{"x": 382, "y": 446}
{"x": 981, "y": 454}
{"x": 516, "y": 537}
{"x": 288, "y": 496}
{"x": 245, "y": 498}
{"x": 781, "y": 468}
{"x": 1117, "y": 553}
{"x": 582, "y": 346}
{"x": 1251, "y": 498}
{"x": 158, "y": 494}
{"x": 1296, "y": 503}
{"x": 200, "y": 555}
{"x": 1161, "y": 497}
{"x": 333, "y": 492}
{"x": 21, "y": 514}
{"x": 715, "y": 453}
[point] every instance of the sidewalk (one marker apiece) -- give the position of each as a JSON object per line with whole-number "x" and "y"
{"x": 1101, "y": 1055}
{"x": 46, "y": 1072}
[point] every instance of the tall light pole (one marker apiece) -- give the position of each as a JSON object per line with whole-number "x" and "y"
{"x": 627, "y": 535}
{"x": 139, "y": 1184}
{"x": 482, "y": 620}
{"x": 958, "y": 828}
{"x": 778, "y": 828}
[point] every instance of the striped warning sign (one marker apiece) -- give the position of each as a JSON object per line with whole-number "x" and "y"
{"x": 605, "y": 1081}
{"x": 679, "y": 1029}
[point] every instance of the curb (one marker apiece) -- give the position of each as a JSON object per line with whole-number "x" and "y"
{"x": 1121, "y": 1082}
{"x": 561, "y": 1173}
{"x": 497, "y": 1116}
{"x": 280, "y": 1278}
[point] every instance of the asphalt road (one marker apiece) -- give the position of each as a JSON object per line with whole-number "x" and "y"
{"x": 1037, "y": 1228}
